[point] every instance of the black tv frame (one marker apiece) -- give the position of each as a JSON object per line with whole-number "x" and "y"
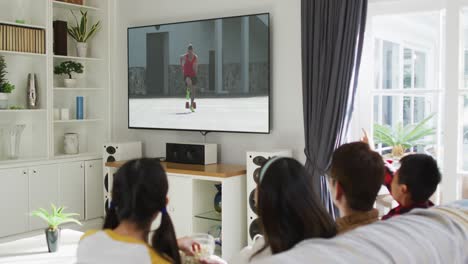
{"x": 204, "y": 132}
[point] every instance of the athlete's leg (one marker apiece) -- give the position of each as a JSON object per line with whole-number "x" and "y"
{"x": 193, "y": 92}
{"x": 188, "y": 84}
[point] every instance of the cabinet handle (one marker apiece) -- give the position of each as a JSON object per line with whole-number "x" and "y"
{"x": 34, "y": 171}
{"x": 24, "y": 172}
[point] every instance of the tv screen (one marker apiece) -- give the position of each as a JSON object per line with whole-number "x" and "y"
{"x": 207, "y": 75}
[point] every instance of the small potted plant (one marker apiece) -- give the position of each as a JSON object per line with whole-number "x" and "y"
{"x": 67, "y": 68}
{"x": 5, "y": 87}
{"x": 81, "y": 33}
{"x": 54, "y": 219}
{"x": 402, "y": 137}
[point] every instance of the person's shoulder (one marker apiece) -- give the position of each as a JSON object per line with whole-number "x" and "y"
{"x": 88, "y": 233}
{"x": 155, "y": 257}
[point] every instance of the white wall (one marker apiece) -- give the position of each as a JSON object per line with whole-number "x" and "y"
{"x": 287, "y": 122}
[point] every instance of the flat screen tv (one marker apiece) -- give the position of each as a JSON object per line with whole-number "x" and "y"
{"x": 207, "y": 75}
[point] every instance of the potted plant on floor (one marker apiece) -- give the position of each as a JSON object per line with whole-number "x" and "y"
{"x": 401, "y": 138}
{"x": 81, "y": 33}
{"x": 67, "y": 68}
{"x": 5, "y": 87}
{"x": 54, "y": 219}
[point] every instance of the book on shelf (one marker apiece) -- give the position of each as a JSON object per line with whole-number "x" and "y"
{"x": 1, "y": 37}
{"x": 22, "y": 39}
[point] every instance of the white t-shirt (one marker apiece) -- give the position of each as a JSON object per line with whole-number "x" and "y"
{"x": 108, "y": 247}
{"x": 246, "y": 253}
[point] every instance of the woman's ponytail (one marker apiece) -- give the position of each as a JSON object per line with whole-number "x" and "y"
{"x": 111, "y": 221}
{"x": 164, "y": 240}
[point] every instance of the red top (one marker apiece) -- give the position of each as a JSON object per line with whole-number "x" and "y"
{"x": 188, "y": 66}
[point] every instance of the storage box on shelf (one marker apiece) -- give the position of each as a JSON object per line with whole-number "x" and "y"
{"x": 191, "y": 202}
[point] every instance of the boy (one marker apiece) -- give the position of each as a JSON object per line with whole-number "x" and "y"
{"x": 356, "y": 176}
{"x": 413, "y": 183}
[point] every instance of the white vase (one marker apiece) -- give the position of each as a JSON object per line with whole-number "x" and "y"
{"x": 3, "y": 101}
{"x": 82, "y": 49}
{"x": 70, "y": 83}
{"x": 71, "y": 143}
{"x": 13, "y": 140}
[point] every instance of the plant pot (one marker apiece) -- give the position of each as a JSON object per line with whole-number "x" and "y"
{"x": 82, "y": 49}
{"x": 3, "y": 101}
{"x": 53, "y": 239}
{"x": 398, "y": 151}
{"x": 70, "y": 83}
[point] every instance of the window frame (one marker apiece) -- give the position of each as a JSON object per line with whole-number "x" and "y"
{"x": 450, "y": 82}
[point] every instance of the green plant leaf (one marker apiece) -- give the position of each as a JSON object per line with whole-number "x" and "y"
{"x": 93, "y": 30}
{"x": 405, "y": 136}
{"x": 415, "y": 134}
{"x": 80, "y": 30}
{"x": 56, "y": 217}
{"x": 383, "y": 135}
{"x": 84, "y": 22}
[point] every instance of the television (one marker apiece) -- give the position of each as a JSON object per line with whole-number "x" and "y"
{"x": 207, "y": 75}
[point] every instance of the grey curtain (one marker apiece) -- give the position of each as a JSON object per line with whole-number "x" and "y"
{"x": 332, "y": 40}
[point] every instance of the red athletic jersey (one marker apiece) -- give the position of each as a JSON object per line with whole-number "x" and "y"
{"x": 188, "y": 66}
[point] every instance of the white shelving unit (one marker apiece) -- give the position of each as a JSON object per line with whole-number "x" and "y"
{"x": 76, "y": 58}
{"x": 58, "y": 4}
{"x": 43, "y": 136}
{"x": 21, "y": 25}
{"x": 43, "y": 173}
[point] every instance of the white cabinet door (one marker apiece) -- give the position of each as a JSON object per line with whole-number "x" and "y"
{"x": 180, "y": 204}
{"x": 94, "y": 186}
{"x": 43, "y": 191}
{"x": 14, "y": 201}
{"x": 71, "y": 190}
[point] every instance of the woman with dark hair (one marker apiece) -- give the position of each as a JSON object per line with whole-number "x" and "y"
{"x": 288, "y": 208}
{"x": 139, "y": 195}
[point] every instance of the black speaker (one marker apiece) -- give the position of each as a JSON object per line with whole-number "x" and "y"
{"x": 200, "y": 154}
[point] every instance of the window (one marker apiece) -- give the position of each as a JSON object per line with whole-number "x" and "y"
{"x": 401, "y": 95}
{"x": 463, "y": 109}
{"x": 404, "y": 81}
{"x": 415, "y": 64}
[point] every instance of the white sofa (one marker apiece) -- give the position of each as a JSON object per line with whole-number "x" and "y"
{"x": 437, "y": 235}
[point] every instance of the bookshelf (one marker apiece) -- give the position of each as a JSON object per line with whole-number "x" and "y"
{"x": 76, "y": 58}
{"x": 69, "y": 6}
{"x": 7, "y": 52}
{"x": 42, "y": 140}
{"x": 21, "y": 25}
{"x": 77, "y": 121}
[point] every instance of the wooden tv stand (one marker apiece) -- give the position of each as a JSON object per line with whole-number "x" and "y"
{"x": 212, "y": 170}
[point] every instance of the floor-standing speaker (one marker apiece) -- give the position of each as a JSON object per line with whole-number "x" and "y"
{"x": 116, "y": 152}
{"x": 255, "y": 160}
